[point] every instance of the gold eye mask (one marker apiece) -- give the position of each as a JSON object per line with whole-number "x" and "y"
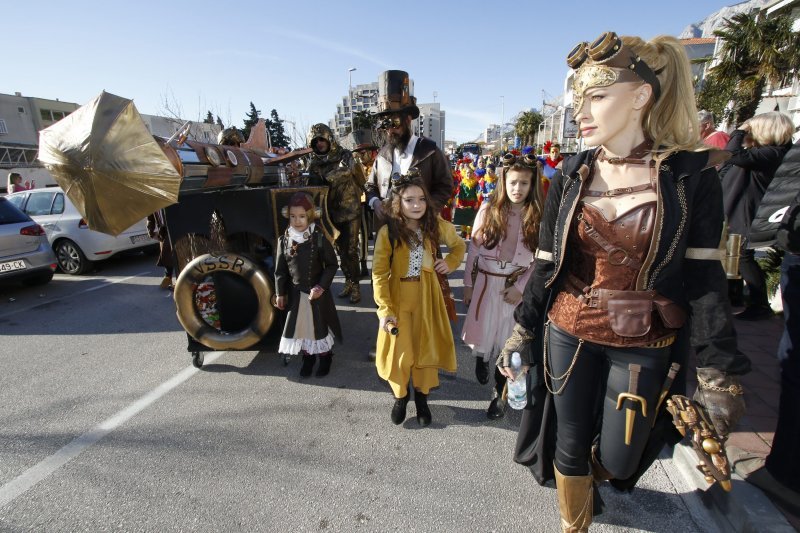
{"x": 594, "y": 75}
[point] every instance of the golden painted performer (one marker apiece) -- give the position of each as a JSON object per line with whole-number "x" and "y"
{"x": 333, "y": 165}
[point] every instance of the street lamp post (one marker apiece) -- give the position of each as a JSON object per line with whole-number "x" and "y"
{"x": 502, "y": 119}
{"x": 294, "y": 131}
{"x": 350, "y": 95}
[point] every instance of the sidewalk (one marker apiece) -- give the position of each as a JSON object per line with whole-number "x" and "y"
{"x": 759, "y": 340}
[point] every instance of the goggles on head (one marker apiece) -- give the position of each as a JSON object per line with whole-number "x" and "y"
{"x": 409, "y": 178}
{"x": 604, "y": 62}
{"x": 529, "y": 160}
{"x": 390, "y": 122}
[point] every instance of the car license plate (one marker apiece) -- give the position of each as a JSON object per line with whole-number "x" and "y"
{"x": 8, "y": 266}
{"x": 144, "y": 237}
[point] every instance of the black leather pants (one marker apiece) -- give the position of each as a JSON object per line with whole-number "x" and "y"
{"x": 587, "y": 404}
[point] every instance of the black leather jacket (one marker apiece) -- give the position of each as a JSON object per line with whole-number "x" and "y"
{"x": 683, "y": 262}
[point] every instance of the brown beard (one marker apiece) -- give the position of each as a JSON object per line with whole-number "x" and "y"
{"x": 400, "y": 141}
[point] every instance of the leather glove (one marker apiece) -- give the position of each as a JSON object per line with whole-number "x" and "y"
{"x": 519, "y": 341}
{"x": 722, "y": 396}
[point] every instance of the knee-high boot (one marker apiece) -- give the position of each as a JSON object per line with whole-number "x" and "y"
{"x": 574, "y": 501}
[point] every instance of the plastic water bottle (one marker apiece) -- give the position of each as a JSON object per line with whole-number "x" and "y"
{"x": 517, "y": 388}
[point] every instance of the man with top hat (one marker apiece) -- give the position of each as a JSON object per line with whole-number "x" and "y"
{"x": 333, "y": 165}
{"x": 403, "y": 150}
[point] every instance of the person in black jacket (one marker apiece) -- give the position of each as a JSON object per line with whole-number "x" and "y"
{"x": 745, "y": 177}
{"x": 305, "y": 265}
{"x": 628, "y": 250}
{"x": 777, "y": 223}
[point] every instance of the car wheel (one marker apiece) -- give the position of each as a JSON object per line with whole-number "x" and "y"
{"x": 71, "y": 259}
{"x": 39, "y": 279}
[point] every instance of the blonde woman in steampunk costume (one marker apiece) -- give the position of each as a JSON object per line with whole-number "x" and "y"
{"x": 627, "y": 276}
{"x": 332, "y": 165}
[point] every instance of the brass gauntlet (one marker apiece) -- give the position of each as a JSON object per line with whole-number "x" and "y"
{"x": 722, "y": 396}
{"x": 519, "y": 341}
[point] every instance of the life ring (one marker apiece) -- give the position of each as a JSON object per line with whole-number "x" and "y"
{"x": 190, "y": 318}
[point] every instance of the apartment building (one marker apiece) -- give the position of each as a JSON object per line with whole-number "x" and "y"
{"x": 430, "y": 123}
{"x": 363, "y": 97}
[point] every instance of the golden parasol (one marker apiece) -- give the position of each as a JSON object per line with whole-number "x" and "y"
{"x": 109, "y": 164}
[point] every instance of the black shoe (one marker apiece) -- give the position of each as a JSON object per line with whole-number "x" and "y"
{"x": 497, "y": 409}
{"x": 308, "y": 365}
{"x": 399, "y": 409}
{"x": 755, "y": 312}
{"x": 481, "y": 370}
{"x": 324, "y": 364}
{"x": 423, "y": 411}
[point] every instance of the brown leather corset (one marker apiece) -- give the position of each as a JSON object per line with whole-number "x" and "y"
{"x": 613, "y": 266}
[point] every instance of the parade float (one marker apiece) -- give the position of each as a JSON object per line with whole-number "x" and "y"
{"x": 221, "y": 205}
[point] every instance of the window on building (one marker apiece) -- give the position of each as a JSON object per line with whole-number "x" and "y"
{"x": 46, "y": 115}
{"x": 21, "y": 110}
{"x": 58, "y": 115}
{"x": 3, "y": 129}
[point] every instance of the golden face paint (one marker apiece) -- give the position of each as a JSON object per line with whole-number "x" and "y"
{"x": 590, "y": 76}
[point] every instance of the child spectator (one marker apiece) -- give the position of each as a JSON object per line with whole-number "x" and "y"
{"x": 304, "y": 270}
{"x": 498, "y": 266}
{"x": 467, "y": 201}
{"x": 414, "y": 339}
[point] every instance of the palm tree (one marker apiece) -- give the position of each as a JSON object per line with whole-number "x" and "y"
{"x": 755, "y": 51}
{"x": 526, "y": 126}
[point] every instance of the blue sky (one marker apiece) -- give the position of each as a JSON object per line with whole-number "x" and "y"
{"x": 294, "y": 56}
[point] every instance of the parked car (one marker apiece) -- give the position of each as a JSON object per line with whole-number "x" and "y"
{"x": 75, "y": 245}
{"x": 25, "y": 252}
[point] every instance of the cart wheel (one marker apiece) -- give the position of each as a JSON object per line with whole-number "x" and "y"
{"x": 286, "y": 359}
{"x": 197, "y": 359}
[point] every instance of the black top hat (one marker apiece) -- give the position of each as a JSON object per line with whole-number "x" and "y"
{"x": 394, "y": 94}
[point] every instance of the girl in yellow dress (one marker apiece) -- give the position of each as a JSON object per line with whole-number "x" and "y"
{"x": 414, "y": 339}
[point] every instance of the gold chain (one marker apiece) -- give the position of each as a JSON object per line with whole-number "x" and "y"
{"x": 734, "y": 389}
{"x": 566, "y": 374}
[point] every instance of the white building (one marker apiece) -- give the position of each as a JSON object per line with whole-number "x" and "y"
{"x": 492, "y": 133}
{"x": 363, "y": 97}
{"x": 167, "y": 126}
{"x": 430, "y": 123}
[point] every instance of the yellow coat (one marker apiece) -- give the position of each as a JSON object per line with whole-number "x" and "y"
{"x": 435, "y": 347}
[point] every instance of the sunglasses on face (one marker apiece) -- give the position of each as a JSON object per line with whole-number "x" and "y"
{"x": 391, "y": 122}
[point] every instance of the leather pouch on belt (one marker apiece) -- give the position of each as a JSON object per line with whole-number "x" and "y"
{"x": 672, "y": 315}
{"x": 630, "y": 318}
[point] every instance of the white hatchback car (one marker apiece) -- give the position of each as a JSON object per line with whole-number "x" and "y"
{"x": 75, "y": 245}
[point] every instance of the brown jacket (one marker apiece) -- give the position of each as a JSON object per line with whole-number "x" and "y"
{"x": 432, "y": 165}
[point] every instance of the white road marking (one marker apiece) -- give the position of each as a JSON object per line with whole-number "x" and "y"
{"x": 90, "y": 289}
{"x": 19, "y": 485}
